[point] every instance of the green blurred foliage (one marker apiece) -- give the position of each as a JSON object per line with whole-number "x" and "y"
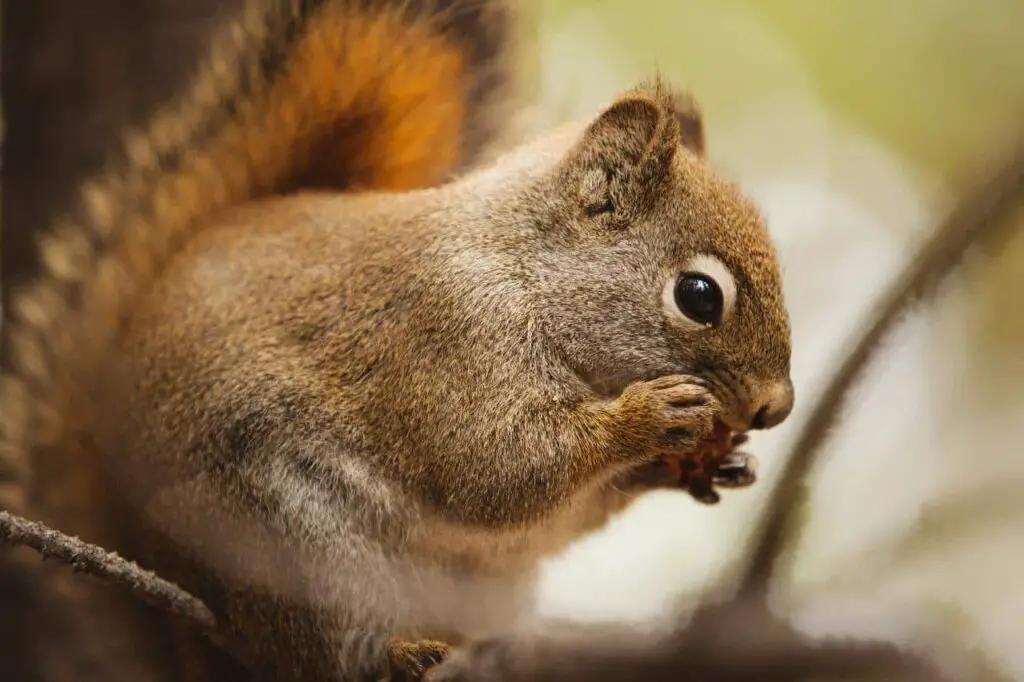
{"x": 934, "y": 79}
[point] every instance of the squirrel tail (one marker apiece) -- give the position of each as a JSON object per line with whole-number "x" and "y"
{"x": 345, "y": 94}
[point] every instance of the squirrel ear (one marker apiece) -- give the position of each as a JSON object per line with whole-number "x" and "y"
{"x": 626, "y": 153}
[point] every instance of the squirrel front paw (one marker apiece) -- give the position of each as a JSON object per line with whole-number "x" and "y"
{"x": 489, "y": 660}
{"x": 669, "y": 415}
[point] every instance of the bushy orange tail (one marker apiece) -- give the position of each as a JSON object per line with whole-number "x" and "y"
{"x": 346, "y": 94}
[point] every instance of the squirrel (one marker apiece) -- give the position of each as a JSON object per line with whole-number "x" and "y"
{"x": 314, "y": 340}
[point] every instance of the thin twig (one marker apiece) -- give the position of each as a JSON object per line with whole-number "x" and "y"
{"x": 88, "y": 558}
{"x": 979, "y": 217}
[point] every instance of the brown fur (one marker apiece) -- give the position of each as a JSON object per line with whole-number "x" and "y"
{"x": 305, "y": 407}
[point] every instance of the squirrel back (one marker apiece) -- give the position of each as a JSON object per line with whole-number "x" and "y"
{"x": 340, "y": 94}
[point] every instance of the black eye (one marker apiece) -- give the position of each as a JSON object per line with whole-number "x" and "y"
{"x": 699, "y": 298}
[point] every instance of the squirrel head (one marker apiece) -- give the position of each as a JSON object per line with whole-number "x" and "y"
{"x": 652, "y": 264}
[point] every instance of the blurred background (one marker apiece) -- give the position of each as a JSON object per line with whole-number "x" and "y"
{"x": 854, "y": 124}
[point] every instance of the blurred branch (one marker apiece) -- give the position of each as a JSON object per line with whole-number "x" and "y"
{"x": 983, "y": 214}
{"x": 737, "y": 641}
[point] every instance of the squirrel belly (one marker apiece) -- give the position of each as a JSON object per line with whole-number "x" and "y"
{"x": 300, "y": 355}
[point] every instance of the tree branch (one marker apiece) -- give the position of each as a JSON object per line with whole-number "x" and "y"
{"x": 88, "y": 558}
{"x": 984, "y": 214}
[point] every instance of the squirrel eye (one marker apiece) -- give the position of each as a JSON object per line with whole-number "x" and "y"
{"x": 699, "y": 298}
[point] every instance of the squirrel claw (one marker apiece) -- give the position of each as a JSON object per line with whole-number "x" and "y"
{"x": 414, "y": 661}
{"x": 736, "y": 470}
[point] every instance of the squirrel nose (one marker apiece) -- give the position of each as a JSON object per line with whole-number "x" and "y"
{"x": 776, "y": 407}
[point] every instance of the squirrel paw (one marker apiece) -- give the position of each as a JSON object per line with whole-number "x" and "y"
{"x": 736, "y": 470}
{"x": 671, "y": 413}
{"x": 412, "y": 661}
{"x": 490, "y": 660}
